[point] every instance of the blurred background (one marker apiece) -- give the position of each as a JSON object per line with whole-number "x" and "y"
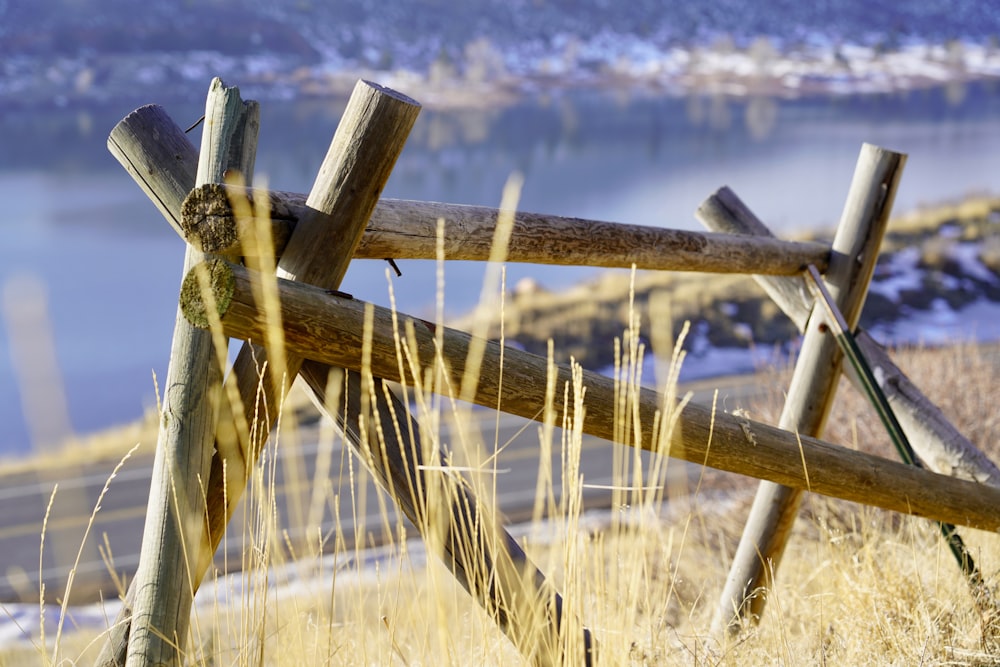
{"x": 630, "y": 112}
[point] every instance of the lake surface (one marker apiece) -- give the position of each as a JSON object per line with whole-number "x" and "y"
{"x": 83, "y": 246}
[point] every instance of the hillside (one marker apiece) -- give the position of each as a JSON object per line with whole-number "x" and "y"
{"x": 935, "y": 263}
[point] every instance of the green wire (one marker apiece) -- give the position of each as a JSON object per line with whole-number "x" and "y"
{"x": 849, "y": 345}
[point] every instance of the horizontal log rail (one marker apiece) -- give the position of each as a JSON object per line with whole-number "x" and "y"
{"x": 329, "y": 328}
{"x": 401, "y": 229}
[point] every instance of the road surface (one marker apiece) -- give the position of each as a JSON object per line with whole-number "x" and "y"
{"x": 313, "y": 501}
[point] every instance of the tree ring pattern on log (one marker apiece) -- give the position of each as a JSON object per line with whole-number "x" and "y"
{"x": 220, "y": 286}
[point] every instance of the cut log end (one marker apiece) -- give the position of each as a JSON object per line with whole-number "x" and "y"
{"x": 209, "y": 283}
{"x": 207, "y": 219}
{"x": 389, "y": 92}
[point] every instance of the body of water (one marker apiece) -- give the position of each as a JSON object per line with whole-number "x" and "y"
{"x": 87, "y": 259}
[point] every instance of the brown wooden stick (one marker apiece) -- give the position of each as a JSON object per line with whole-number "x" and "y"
{"x": 174, "y": 528}
{"x": 362, "y": 153}
{"x": 160, "y": 593}
{"x": 329, "y": 328}
{"x": 814, "y": 382}
{"x": 403, "y": 229}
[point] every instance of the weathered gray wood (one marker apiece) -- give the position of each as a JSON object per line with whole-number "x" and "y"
{"x": 530, "y": 585}
{"x": 161, "y": 605}
{"x": 403, "y": 229}
{"x": 129, "y": 142}
{"x": 165, "y": 167}
{"x": 330, "y": 327}
{"x": 814, "y": 381}
{"x": 937, "y": 442}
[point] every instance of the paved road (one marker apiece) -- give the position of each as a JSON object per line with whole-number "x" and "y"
{"x": 116, "y": 532}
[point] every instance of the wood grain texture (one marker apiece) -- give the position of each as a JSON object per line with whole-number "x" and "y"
{"x": 364, "y": 148}
{"x": 163, "y": 163}
{"x": 158, "y": 609}
{"x": 403, "y": 229}
{"x": 329, "y": 329}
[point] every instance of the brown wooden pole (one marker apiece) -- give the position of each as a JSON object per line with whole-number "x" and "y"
{"x": 814, "y": 382}
{"x": 940, "y": 445}
{"x": 401, "y": 229}
{"x": 153, "y": 624}
{"x": 143, "y": 150}
{"x": 364, "y": 149}
{"x": 329, "y": 328}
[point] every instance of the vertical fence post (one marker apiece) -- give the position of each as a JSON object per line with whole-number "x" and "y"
{"x": 814, "y": 381}
{"x": 365, "y": 146}
{"x": 155, "y": 621}
{"x": 175, "y": 519}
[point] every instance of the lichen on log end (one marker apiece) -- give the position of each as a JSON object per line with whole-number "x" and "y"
{"x": 208, "y": 282}
{"x": 207, "y": 218}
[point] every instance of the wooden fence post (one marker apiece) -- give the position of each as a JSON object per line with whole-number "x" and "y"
{"x": 167, "y": 189}
{"x": 162, "y": 591}
{"x": 814, "y": 381}
{"x": 938, "y": 443}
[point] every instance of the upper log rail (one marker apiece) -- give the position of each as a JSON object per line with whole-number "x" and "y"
{"x": 402, "y": 229}
{"x": 330, "y": 329}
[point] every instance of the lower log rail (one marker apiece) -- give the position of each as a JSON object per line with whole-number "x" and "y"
{"x": 329, "y": 328}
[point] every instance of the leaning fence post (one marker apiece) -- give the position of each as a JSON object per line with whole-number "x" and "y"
{"x": 855, "y": 251}
{"x": 165, "y": 583}
{"x": 935, "y": 439}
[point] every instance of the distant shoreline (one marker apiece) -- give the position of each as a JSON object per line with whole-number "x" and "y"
{"x": 721, "y": 69}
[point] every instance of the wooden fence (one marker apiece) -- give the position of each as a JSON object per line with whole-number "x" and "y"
{"x": 292, "y": 278}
